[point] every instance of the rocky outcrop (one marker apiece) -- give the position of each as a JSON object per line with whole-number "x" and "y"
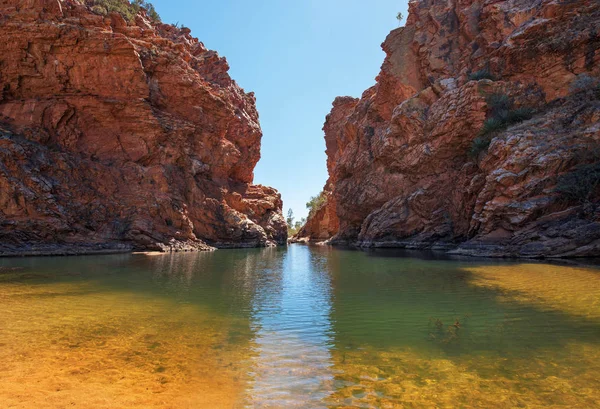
{"x": 409, "y": 162}
{"x": 322, "y": 223}
{"x": 123, "y": 135}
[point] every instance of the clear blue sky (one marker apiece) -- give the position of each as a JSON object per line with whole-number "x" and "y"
{"x": 297, "y": 57}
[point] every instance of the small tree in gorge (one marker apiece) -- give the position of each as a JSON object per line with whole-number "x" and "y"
{"x": 293, "y": 227}
{"x": 299, "y": 224}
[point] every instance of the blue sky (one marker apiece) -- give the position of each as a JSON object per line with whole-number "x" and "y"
{"x": 297, "y": 57}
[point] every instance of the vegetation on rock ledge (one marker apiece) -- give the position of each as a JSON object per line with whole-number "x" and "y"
{"x": 315, "y": 203}
{"x": 481, "y": 75}
{"x": 581, "y": 184}
{"x": 502, "y": 115}
{"x": 128, "y": 10}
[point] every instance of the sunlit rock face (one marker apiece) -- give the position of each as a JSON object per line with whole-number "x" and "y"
{"x": 126, "y": 135}
{"x": 321, "y": 224}
{"x": 403, "y": 171}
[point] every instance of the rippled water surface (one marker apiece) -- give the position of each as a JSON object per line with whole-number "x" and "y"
{"x": 297, "y": 328}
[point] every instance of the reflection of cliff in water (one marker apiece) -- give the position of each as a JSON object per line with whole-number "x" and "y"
{"x": 227, "y": 279}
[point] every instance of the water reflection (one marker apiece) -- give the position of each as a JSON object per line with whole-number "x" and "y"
{"x": 291, "y": 318}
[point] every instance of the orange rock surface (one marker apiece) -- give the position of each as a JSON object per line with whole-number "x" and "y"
{"x": 401, "y": 172}
{"x": 120, "y": 135}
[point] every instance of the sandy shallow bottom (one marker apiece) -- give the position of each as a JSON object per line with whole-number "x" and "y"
{"x": 69, "y": 346}
{"x": 403, "y": 379}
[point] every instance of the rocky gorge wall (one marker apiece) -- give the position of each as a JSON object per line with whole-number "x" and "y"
{"x": 121, "y": 135}
{"x": 481, "y": 135}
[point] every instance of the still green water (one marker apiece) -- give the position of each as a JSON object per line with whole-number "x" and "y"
{"x": 302, "y": 327}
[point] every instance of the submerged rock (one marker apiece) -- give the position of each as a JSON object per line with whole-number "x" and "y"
{"x": 123, "y": 135}
{"x": 483, "y": 110}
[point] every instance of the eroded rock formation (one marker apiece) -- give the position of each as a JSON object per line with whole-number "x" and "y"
{"x": 321, "y": 224}
{"x": 404, "y": 164}
{"x": 123, "y": 135}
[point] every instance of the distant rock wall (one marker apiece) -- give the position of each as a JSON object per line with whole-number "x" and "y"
{"x": 409, "y": 166}
{"x": 321, "y": 224}
{"x": 125, "y": 135}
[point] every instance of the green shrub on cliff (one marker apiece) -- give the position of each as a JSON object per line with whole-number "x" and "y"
{"x": 126, "y": 9}
{"x": 315, "y": 203}
{"x": 479, "y": 144}
{"x": 518, "y": 115}
{"x": 502, "y": 115}
{"x": 498, "y": 103}
{"x": 481, "y": 75}
{"x": 581, "y": 184}
{"x": 492, "y": 125}
{"x": 149, "y": 7}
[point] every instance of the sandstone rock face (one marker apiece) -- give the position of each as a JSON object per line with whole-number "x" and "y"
{"x": 401, "y": 171}
{"x": 123, "y": 135}
{"x": 322, "y": 224}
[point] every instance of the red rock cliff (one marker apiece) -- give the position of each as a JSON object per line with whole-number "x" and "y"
{"x": 409, "y": 162}
{"x": 123, "y": 135}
